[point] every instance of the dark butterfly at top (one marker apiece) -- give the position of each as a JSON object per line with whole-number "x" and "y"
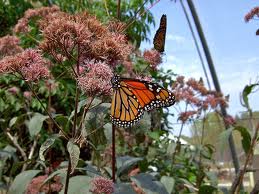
{"x": 131, "y": 97}
{"x": 159, "y": 39}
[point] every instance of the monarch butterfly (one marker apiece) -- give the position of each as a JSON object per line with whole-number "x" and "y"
{"x": 159, "y": 39}
{"x": 132, "y": 97}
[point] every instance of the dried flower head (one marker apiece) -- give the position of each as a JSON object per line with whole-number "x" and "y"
{"x": 82, "y": 36}
{"x": 195, "y": 94}
{"x": 153, "y": 57}
{"x": 9, "y": 45}
{"x": 30, "y": 64}
{"x": 101, "y": 185}
{"x": 96, "y": 78}
{"x": 23, "y": 24}
{"x": 252, "y": 13}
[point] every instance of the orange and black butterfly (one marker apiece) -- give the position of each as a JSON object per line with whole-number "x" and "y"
{"x": 159, "y": 39}
{"x": 131, "y": 97}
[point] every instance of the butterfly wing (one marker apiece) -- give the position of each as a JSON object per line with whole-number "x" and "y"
{"x": 159, "y": 38}
{"x": 150, "y": 95}
{"x": 131, "y": 97}
{"x": 125, "y": 107}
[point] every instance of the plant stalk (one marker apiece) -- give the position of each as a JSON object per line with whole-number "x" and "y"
{"x": 68, "y": 175}
{"x": 113, "y": 153}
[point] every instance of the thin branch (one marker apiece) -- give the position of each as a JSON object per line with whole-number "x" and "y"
{"x": 35, "y": 141}
{"x": 118, "y": 9}
{"x": 45, "y": 109}
{"x": 106, "y": 8}
{"x": 19, "y": 148}
{"x": 67, "y": 176}
{"x": 85, "y": 111}
{"x": 113, "y": 153}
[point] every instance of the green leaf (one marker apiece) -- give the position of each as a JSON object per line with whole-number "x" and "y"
{"x": 13, "y": 121}
{"x": 35, "y": 123}
{"x": 207, "y": 189}
{"x": 148, "y": 183}
{"x": 74, "y": 153}
{"x": 154, "y": 135}
{"x": 247, "y": 90}
{"x": 108, "y": 132}
{"x": 21, "y": 181}
{"x": 125, "y": 188}
{"x": 246, "y": 138}
{"x": 46, "y": 145}
{"x": 124, "y": 163}
{"x": 79, "y": 184}
{"x": 168, "y": 182}
{"x": 95, "y": 116}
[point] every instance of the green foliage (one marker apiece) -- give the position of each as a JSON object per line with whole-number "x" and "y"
{"x": 79, "y": 184}
{"x": 22, "y": 180}
{"x": 10, "y": 12}
{"x": 74, "y": 153}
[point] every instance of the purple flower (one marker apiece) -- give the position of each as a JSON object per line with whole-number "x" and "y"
{"x": 96, "y": 78}
{"x": 153, "y": 57}
{"x": 30, "y": 64}
{"x": 101, "y": 185}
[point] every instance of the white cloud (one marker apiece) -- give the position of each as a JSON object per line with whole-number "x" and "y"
{"x": 177, "y": 38}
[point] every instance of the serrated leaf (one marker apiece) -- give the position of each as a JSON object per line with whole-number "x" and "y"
{"x": 78, "y": 185}
{"x": 148, "y": 183}
{"x": 246, "y": 138}
{"x": 74, "y": 153}
{"x": 46, "y": 145}
{"x": 35, "y": 123}
{"x": 21, "y": 181}
{"x": 124, "y": 163}
{"x": 168, "y": 182}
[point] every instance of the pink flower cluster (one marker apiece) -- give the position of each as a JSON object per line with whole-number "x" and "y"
{"x": 82, "y": 36}
{"x": 9, "y": 45}
{"x": 35, "y": 186}
{"x": 252, "y": 13}
{"x": 29, "y": 64}
{"x": 101, "y": 185}
{"x": 95, "y": 79}
{"x": 195, "y": 94}
{"x": 153, "y": 57}
{"x": 23, "y": 24}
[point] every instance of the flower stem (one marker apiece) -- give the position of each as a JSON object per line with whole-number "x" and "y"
{"x": 46, "y": 111}
{"x": 113, "y": 153}
{"x": 67, "y": 177}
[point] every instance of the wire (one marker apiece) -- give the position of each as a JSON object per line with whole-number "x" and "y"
{"x": 196, "y": 44}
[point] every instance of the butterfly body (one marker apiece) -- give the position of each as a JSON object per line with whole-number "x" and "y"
{"x": 132, "y": 97}
{"x": 159, "y": 38}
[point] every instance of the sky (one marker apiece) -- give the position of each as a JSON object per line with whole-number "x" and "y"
{"x": 232, "y": 42}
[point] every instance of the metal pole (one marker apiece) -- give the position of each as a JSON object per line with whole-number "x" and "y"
{"x": 214, "y": 78}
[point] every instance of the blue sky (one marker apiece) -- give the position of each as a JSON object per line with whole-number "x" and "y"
{"x": 232, "y": 42}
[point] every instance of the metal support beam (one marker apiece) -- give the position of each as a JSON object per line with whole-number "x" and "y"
{"x": 214, "y": 78}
